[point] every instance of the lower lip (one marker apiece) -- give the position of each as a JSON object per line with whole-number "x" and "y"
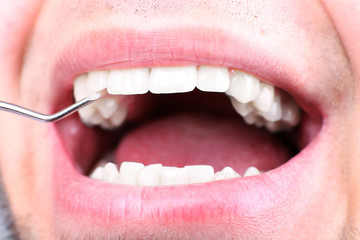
{"x": 233, "y": 206}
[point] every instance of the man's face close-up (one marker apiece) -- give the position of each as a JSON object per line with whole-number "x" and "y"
{"x": 217, "y": 119}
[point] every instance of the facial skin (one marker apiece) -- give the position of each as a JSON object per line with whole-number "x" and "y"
{"x": 313, "y": 44}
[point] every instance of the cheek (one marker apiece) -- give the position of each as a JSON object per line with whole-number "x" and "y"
{"x": 346, "y": 18}
{"x": 14, "y": 34}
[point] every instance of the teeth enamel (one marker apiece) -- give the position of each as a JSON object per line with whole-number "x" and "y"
{"x": 80, "y": 87}
{"x": 107, "y": 107}
{"x": 226, "y": 173}
{"x": 97, "y": 81}
{"x": 275, "y": 112}
{"x": 128, "y": 172}
{"x": 136, "y": 174}
{"x": 213, "y": 79}
{"x": 88, "y": 113}
{"x": 256, "y": 101}
{"x": 265, "y": 98}
{"x": 251, "y": 171}
{"x": 104, "y": 112}
{"x": 260, "y": 122}
{"x": 251, "y": 118}
{"x": 131, "y": 81}
{"x": 291, "y": 113}
{"x": 243, "y": 109}
{"x": 274, "y": 126}
{"x": 173, "y": 176}
{"x": 110, "y": 173}
{"x": 200, "y": 173}
{"x": 243, "y": 87}
{"x": 149, "y": 175}
{"x": 172, "y": 79}
{"x": 119, "y": 117}
{"x": 97, "y": 173}
{"x": 95, "y": 118}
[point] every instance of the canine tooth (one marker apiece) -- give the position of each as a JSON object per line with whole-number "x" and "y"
{"x": 129, "y": 81}
{"x": 107, "y": 107}
{"x": 291, "y": 113}
{"x": 149, "y": 175}
{"x": 172, "y": 79}
{"x": 213, "y": 79}
{"x": 243, "y": 109}
{"x": 173, "y": 176}
{"x": 80, "y": 87}
{"x": 251, "y": 171}
{"x": 265, "y": 98}
{"x": 226, "y": 173}
{"x": 275, "y": 112}
{"x": 110, "y": 173}
{"x": 128, "y": 172}
{"x": 96, "y": 81}
{"x": 200, "y": 173}
{"x": 244, "y": 87}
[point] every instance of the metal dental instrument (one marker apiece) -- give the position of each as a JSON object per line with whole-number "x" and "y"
{"x": 8, "y": 107}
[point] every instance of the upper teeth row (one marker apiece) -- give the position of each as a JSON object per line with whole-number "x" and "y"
{"x": 133, "y": 173}
{"x": 255, "y": 100}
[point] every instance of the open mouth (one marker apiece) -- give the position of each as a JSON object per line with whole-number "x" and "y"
{"x": 186, "y": 148}
{"x": 180, "y": 147}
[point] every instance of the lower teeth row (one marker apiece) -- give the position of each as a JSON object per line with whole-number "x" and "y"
{"x": 136, "y": 174}
{"x": 261, "y": 107}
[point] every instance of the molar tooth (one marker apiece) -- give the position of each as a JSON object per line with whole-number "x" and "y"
{"x": 128, "y": 172}
{"x": 172, "y": 79}
{"x": 107, "y": 107}
{"x": 110, "y": 173}
{"x": 275, "y": 126}
{"x": 213, "y": 79}
{"x": 107, "y": 125}
{"x": 260, "y": 122}
{"x": 275, "y": 112}
{"x": 243, "y": 87}
{"x": 87, "y": 113}
{"x": 94, "y": 120}
{"x": 226, "y": 173}
{"x": 129, "y": 81}
{"x": 119, "y": 116}
{"x": 291, "y": 113}
{"x": 243, "y": 109}
{"x": 96, "y": 81}
{"x": 200, "y": 173}
{"x": 265, "y": 98}
{"x": 251, "y": 118}
{"x": 173, "y": 176}
{"x": 251, "y": 171}
{"x": 149, "y": 175}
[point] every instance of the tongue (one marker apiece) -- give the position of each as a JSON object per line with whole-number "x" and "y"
{"x": 196, "y": 139}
